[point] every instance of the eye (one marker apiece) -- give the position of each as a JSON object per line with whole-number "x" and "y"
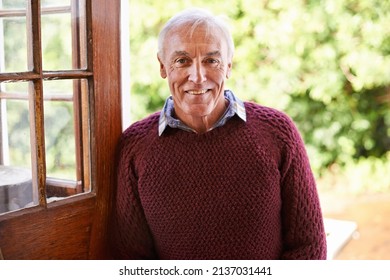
{"x": 211, "y": 61}
{"x": 183, "y": 61}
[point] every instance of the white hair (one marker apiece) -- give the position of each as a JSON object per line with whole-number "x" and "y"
{"x": 195, "y": 17}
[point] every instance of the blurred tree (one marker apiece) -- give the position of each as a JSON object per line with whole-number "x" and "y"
{"x": 59, "y": 122}
{"x": 326, "y": 63}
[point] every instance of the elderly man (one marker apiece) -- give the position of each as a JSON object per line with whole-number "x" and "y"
{"x": 210, "y": 176}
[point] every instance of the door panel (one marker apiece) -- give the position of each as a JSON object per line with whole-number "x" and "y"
{"x": 62, "y": 231}
{"x": 77, "y": 227}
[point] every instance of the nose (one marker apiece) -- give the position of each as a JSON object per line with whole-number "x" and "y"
{"x": 197, "y": 73}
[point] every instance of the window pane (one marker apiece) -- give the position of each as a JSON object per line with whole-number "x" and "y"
{"x": 13, "y": 4}
{"x": 15, "y": 150}
{"x": 67, "y": 144}
{"x": 63, "y": 35}
{"x": 56, "y": 42}
{"x": 59, "y": 130}
{"x": 54, "y": 3}
{"x": 13, "y": 21}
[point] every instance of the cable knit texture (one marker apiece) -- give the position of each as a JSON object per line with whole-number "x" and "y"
{"x": 241, "y": 191}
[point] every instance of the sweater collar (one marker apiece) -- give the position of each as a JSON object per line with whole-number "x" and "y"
{"x": 236, "y": 107}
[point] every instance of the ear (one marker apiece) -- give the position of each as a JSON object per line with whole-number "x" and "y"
{"x": 163, "y": 72}
{"x": 229, "y": 70}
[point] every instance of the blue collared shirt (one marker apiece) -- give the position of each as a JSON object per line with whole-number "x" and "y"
{"x": 235, "y": 107}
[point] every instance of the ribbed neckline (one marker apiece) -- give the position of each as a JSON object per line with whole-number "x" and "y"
{"x": 231, "y": 127}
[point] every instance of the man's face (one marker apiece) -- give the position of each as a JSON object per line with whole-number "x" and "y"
{"x": 196, "y": 67}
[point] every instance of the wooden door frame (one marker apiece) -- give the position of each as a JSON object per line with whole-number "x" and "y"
{"x": 77, "y": 227}
{"x": 107, "y": 116}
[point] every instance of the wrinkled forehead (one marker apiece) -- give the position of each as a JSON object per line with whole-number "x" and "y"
{"x": 201, "y": 33}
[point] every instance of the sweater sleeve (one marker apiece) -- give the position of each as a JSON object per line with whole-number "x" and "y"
{"x": 131, "y": 238}
{"x": 303, "y": 228}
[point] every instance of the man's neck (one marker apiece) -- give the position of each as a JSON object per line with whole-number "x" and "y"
{"x": 202, "y": 124}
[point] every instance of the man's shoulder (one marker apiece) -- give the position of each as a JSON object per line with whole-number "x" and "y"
{"x": 270, "y": 121}
{"x": 142, "y": 128}
{"x": 267, "y": 114}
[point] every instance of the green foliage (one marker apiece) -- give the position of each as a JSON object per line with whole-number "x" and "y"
{"x": 10, "y": 4}
{"x": 56, "y": 46}
{"x": 59, "y": 132}
{"x": 359, "y": 176}
{"x": 59, "y": 123}
{"x": 18, "y": 60}
{"x": 325, "y": 63}
{"x": 19, "y": 133}
{"x": 59, "y": 140}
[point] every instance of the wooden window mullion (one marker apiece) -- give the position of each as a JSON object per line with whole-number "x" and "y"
{"x": 2, "y": 142}
{"x": 77, "y": 57}
{"x": 89, "y": 103}
{"x": 82, "y": 99}
{"x": 36, "y": 103}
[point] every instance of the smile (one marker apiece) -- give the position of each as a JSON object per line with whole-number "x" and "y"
{"x": 197, "y": 92}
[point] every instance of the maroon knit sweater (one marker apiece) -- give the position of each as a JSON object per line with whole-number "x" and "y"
{"x": 241, "y": 191}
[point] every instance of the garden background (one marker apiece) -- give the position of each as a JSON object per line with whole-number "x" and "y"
{"x": 327, "y": 65}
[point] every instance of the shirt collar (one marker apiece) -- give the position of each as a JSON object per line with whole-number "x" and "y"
{"x": 235, "y": 107}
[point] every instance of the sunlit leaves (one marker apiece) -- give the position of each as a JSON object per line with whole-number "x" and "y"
{"x": 326, "y": 63}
